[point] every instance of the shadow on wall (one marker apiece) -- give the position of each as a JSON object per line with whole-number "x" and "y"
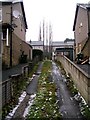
{"x": 38, "y": 54}
{"x": 23, "y": 58}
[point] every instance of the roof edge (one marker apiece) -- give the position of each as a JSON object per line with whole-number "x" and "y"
{"x": 77, "y": 7}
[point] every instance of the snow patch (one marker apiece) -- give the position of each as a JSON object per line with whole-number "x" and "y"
{"x": 31, "y": 100}
{"x": 21, "y": 98}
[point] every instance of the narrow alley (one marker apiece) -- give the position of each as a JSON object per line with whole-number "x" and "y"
{"x": 68, "y": 106}
{"x": 45, "y": 59}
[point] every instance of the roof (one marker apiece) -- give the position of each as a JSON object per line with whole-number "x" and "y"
{"x": 69, "y": 40}
{"x": 36, "y": 43}
{"x": 58, "y": 43}
{"x": 8, "y": 2}
{"x": 82, "y": 5}
{"x": 62, "y": 43}
{"x": 11, "y": 0}
{"x": 27, "y": 43}
{"x": 24, "y": 14}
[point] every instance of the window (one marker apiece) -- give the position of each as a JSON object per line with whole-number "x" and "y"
{"x": 0, "y": 14}
{"x": 4, "y": 33}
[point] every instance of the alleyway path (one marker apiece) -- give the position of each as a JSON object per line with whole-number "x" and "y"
{"x": 68, "y": 106}
{"x": 31, "y": 90}
{"x": 14, "y": 70}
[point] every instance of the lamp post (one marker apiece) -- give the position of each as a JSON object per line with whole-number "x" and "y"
{"x": 43, "y": 41}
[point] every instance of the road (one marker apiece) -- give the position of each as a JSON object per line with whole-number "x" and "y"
{"x": 68, "y": 106}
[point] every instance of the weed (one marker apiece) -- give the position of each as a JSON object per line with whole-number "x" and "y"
{"x": 45, "y": 105}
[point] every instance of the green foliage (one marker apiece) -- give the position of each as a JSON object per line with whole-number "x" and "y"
{"x": 45, "y": 105}
{"x": 85, "y": 111}
{"x": 34, "y": 68}
{"x": 61, "y": 67}
{"x": 19, "y": 85}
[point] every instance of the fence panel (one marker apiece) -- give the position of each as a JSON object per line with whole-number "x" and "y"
{"x": 6, "y": 91}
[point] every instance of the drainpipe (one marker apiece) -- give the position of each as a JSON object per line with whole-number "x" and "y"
{"x": 7, "y": 38}
{"x": 11, "y": 38}
{"x": 88, "y": 10}
{"x": 88, "y": 22}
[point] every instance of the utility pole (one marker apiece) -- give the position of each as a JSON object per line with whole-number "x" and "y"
{"x": 43, "y": 39}
{"x": 50, "y": 41}
{"x": 46, "y": 39}
{"x": 40, "y": 37}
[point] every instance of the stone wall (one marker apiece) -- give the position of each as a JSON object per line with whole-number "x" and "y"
{"x": 80, "y": 78}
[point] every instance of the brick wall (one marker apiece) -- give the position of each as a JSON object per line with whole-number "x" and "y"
{"x": 17, "y": 47}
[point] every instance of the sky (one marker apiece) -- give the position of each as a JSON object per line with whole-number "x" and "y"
{"x": 59, "y": 13}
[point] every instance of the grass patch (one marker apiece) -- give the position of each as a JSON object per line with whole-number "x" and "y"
{"x": 45, "y": 103}
{"x": 33, "y": 69}
{"x": 61, "y": 67}
{"x": 19, "y": 85}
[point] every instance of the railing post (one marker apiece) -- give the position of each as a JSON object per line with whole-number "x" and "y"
{"x": 5, "y": 92}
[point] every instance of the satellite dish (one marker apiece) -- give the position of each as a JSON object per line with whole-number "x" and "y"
{"x": 89, "y": 2}
{"x": 16, "y": 14}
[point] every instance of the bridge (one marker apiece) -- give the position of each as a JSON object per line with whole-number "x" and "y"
{"x": 37, "y": 49}
{"x": 57, "y": 47}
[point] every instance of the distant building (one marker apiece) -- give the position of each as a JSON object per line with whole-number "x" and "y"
{"x": 57, "y": 47}
{"x": 37, "y": 49}
{"x": 81, "y": 29}
{"x": 36, "y": 45}
{"x": 64, "y": 48}
{"x": 14, "y": 25}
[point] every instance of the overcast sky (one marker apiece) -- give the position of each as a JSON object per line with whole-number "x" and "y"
{"x": 60, "y": 13}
